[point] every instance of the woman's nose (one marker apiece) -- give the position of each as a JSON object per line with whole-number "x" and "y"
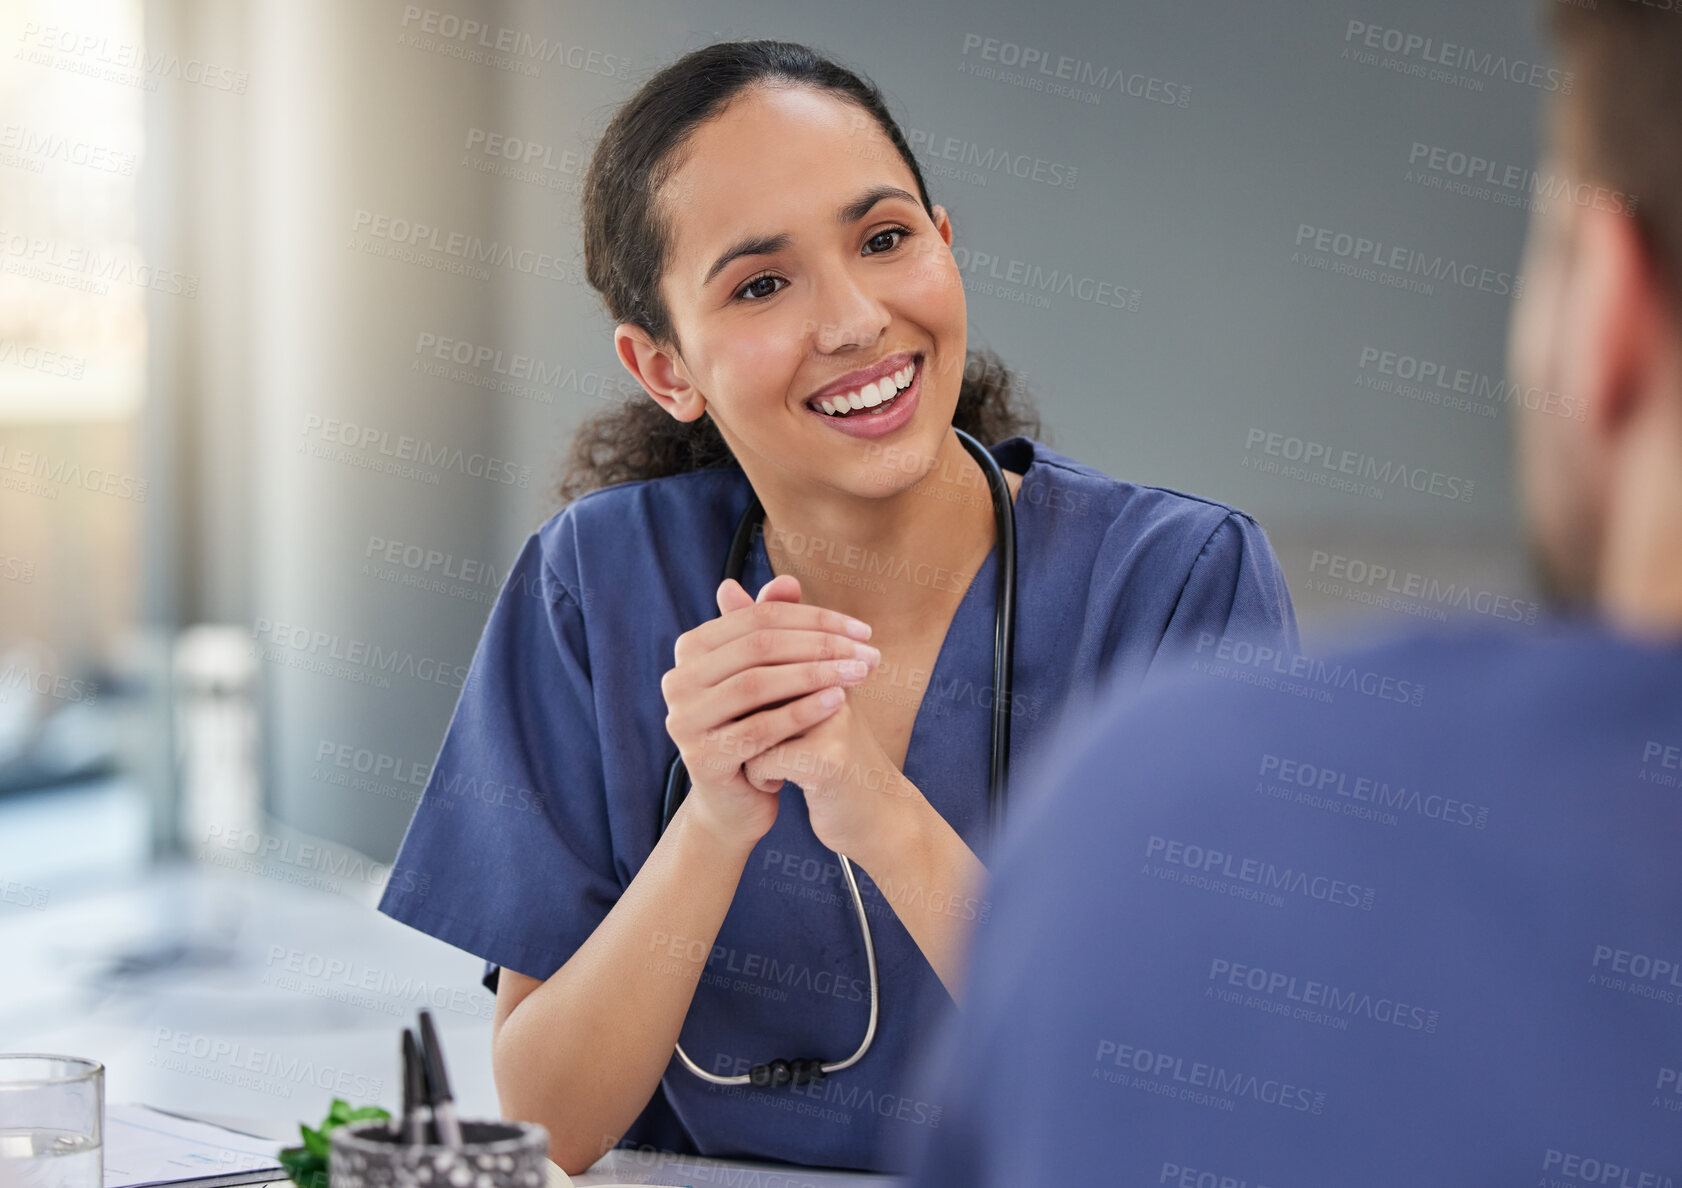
{"x": 848, "y": 313}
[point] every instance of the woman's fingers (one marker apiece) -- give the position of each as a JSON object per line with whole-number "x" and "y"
{"x": 767, "y": 655}
{"x": 767, "y": 686}
{"x": 755, "y": 616}
{"x": 749, "y": 667}
{"x": 758, "y": 672}
{"x": 739, "y": 742}
{"x": 779, "y": 631}
{"x": 784, "y": 587}
{"x": 732, "y": 596}
{"x": 776, "y": 632}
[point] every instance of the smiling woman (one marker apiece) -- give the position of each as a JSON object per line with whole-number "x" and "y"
{"x": 632, "y": 196}
{"x": 786, "y": 294}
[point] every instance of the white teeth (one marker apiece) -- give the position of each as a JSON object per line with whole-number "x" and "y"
{"x": 870, "y": 395}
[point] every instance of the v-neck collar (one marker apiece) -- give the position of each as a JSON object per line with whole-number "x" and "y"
{"x": 1011, "y": 449}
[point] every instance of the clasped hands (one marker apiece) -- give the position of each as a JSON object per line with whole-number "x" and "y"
{"x": 746, "y": 707}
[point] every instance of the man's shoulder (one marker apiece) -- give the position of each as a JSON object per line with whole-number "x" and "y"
{"x": 1436, "y": 671}
{"x": 1263, "y": 881}
{"x": 1427, "y": 700}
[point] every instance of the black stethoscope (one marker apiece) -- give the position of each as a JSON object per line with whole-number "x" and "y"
{"x": 780, "y": 1072}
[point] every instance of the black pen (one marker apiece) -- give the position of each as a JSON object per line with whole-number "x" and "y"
{"x": 444, "y": 1123}
{"x": 414, "y": 1091}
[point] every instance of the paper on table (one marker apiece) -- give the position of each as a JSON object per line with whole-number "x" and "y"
{"x": 622, "y": 1167}
{"x": 145, "y": 1146}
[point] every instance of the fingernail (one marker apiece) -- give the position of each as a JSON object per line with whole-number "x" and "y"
{"x": 857, "y": 628}
{"x": 850, "y": 668}
{"x": 830, "y": 698}
{"x": 867, "y": 653}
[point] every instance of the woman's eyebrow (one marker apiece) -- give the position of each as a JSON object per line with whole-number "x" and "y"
{"x": 767, "y": 245}
{"x": 855, "y": 210}
{"x": 753, "y": 245}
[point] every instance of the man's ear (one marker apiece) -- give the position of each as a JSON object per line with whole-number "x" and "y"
{"x": 1626, "y": 301}
{"x": 659, "y": 370}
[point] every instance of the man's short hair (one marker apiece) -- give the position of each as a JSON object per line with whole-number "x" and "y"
{"x": 1623, "y": 117}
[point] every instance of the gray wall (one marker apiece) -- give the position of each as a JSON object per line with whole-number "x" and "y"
{"x": 1196, "y": 205}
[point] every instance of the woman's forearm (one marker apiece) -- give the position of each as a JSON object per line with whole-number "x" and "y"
{"x": 933, "y": 880}
{"x": 583, "y": 1053}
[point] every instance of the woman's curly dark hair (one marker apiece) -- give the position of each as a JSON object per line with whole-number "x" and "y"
{"x": 627, "y": 235}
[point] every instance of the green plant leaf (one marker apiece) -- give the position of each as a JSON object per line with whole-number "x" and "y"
{"x": 304, "y": 1169}
{"x": 307, "y": 1166}
{"x": 315, "y": 1142}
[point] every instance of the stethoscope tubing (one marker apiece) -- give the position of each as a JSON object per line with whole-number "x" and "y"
{"x": 1004, "y": 642}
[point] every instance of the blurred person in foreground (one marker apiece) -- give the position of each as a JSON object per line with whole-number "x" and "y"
{"x": 1365, "y": 941}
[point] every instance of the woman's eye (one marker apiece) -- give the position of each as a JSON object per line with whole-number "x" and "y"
{"x": 754, "y": 287}
{"x": 892, "y": 233}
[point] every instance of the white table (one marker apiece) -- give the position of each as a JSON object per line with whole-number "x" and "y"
{"x": 246, "y": 930}
{"x": 635, "y": 1167}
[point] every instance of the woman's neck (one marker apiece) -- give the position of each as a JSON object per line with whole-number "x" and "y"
{"x": 890, "y": 561}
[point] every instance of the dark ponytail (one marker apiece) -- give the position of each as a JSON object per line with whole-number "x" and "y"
{"x": 627, "y": 236}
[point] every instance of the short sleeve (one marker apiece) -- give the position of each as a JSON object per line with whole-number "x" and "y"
{"x": 1234, "y": 589}
{"x": 509, "y": 854}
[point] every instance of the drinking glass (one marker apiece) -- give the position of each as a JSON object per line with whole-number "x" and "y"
{"x": 52, "y": 1114}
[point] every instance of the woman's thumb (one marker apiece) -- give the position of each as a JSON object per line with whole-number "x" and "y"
{"x": 731, "y": 596}
{"x": 785, "y": 587}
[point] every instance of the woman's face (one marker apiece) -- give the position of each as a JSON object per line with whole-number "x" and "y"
{"x": 800, "y": 257}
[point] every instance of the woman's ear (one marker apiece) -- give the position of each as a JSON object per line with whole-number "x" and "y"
{"x": 660, "y": 371}
{"x": 943, "y": 223}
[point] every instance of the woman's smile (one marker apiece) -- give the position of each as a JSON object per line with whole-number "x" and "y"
{"x": 826, "y": 287}
{"x": 873, "y": 408}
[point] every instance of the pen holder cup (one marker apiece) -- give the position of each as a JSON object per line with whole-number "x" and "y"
{"x": 492, "y": 1155}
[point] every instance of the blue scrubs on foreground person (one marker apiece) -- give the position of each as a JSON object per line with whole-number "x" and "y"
{"x": 1246, "y": 934}
{"x": 545, "y": 797}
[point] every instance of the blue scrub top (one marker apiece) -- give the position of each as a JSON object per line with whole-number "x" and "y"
{"x": 545, "y": 798}
{"x": 1357, "y": 941}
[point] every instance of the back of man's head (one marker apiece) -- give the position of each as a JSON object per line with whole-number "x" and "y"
{"x": 1598, "y": 326}
{"x": 1623, "y": 112}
